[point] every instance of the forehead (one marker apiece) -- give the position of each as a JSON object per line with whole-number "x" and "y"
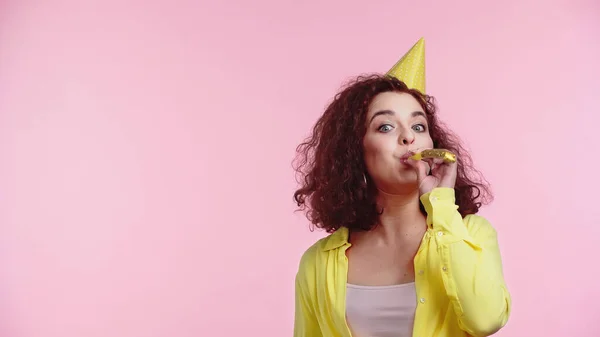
{"x": 399, "y": 102}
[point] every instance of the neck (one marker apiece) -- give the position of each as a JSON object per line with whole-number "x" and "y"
{"x": 402, "y": 218}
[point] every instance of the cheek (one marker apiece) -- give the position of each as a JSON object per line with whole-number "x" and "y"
{"x": 372, "y": 147}
{"x": 376, "y": 150}
{"x": 426, "y": 141}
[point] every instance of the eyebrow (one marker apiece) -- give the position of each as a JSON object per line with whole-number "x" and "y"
{"x": 392, "y": 113}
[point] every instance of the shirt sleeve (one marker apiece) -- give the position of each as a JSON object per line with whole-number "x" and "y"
{"x": 471, "y": 264}
{"x": 305, "y": 320}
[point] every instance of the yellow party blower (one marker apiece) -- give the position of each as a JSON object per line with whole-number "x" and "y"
{"x": 446, "y": 155}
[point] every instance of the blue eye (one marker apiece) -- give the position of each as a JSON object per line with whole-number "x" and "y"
{"x": 419, "y": 128}
{"x": 385, "y": 128}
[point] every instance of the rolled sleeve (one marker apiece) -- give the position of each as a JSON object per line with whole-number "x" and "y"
{"x": 471, "y": 263}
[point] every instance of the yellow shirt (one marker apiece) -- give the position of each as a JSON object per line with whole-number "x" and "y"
{"x": 458, "y": 277}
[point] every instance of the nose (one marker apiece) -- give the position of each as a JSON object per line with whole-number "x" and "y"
{"x": 407, "y": 138}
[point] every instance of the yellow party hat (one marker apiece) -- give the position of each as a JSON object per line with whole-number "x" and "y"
{"x": 410, "y": 69}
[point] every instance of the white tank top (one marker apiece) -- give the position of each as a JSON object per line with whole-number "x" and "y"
{"x": 381, "y": 311}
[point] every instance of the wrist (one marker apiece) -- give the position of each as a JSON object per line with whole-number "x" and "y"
{"x": 439, "y": 194}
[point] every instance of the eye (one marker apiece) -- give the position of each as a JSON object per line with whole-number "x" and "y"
{"x": 385, "y": 128}
{"x": 419, "y": 127}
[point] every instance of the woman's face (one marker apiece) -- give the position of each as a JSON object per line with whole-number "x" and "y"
{"x": 396, "y": 124}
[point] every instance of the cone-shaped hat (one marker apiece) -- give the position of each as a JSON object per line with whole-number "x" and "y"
{"x": 410, "y": 69}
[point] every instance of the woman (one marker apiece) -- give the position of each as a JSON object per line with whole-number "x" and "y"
{"x": 407, "y": 254}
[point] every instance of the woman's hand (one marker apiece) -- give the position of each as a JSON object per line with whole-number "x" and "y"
{"x": 434, "y": 172}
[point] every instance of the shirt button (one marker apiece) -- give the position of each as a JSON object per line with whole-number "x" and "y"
{"x": 434, "y": 198}
{"x": 440, "y": 233}
{"x": 421, "y": 272}
{"x": 422, "y": 300}
{"x": 444, "y": 268}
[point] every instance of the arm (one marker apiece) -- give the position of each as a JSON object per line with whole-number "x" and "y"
{"x": 471, "y": 265}
{"x": 305, "y": 321}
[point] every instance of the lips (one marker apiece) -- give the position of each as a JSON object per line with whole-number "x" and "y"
{"x": 407, "y": 155}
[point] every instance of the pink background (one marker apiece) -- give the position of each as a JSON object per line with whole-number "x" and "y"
{"x": 145, "y": 150}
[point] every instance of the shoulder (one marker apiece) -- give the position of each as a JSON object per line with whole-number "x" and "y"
{"x": 314, "y": 256}
{"x": 478, "y": 226}
{"x": 308, "y": 260}
{"x": 307, "y": 268}
{"x": 310, "y": 255}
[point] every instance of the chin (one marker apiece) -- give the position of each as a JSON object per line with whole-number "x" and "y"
{"x": 401, "y": 184}
{"x": 400, "y": 188}
{"x": 407, "y": 177}
{"x": 407, "y": 183}
{"x": 406, "y": 186}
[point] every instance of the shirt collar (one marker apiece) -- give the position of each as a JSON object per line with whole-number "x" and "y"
{"x": 338, "y": 239}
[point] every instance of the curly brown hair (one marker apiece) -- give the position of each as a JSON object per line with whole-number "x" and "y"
{"x": 332, "y": 171}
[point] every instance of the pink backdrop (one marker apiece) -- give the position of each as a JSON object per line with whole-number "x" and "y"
{"x": 145, "y": 150}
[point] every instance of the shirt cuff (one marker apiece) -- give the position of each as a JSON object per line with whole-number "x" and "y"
{"x": 443, "y": 216}
{"x": 438, "y": 196}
